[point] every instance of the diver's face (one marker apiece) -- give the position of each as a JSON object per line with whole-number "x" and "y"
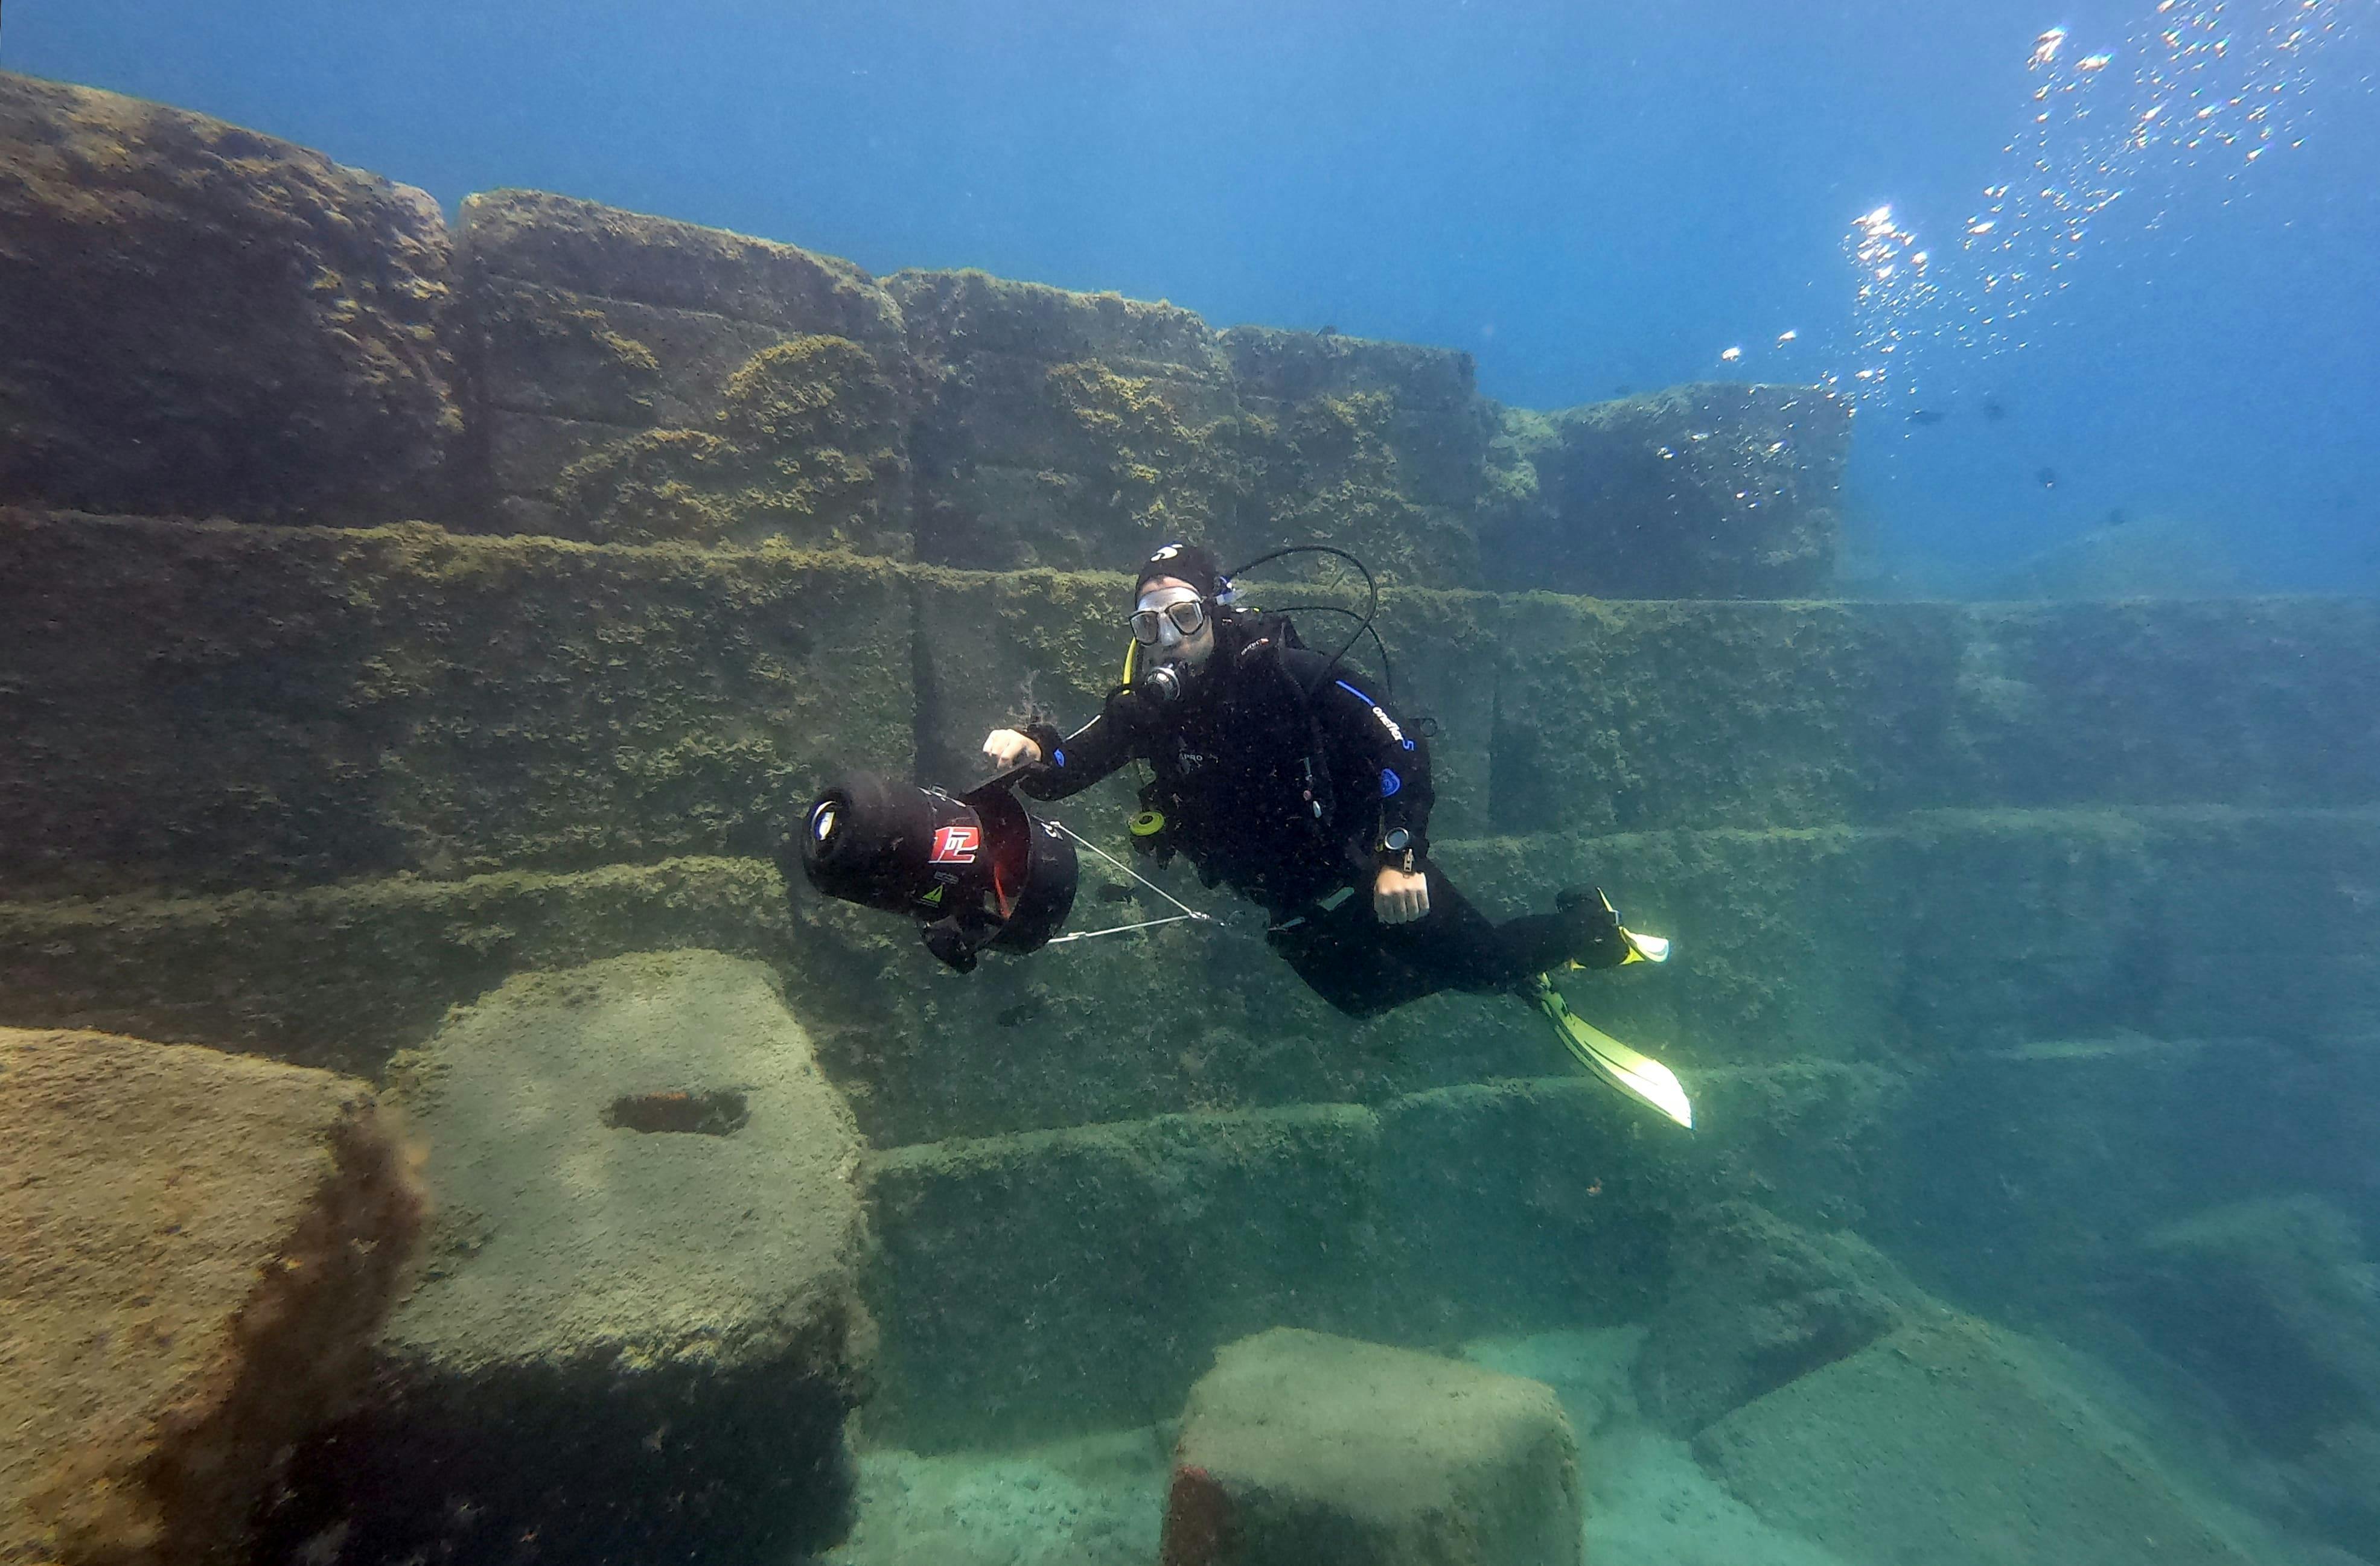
{"x": 1172, "y": 646}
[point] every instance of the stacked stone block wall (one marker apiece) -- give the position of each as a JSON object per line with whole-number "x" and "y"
{"x": 648, "y": 531}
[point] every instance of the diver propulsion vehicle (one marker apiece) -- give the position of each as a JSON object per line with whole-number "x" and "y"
{"x": 975, "y": 870}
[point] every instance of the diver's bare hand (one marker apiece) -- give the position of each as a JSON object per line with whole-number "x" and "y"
{"x": 1006, "y": 747}
{"x": 1400, "y": 896}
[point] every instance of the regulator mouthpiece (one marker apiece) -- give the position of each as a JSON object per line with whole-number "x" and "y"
{"x": 1163, "y": 683}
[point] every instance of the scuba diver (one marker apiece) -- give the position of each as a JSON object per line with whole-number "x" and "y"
{"x": 1278, "y": 775}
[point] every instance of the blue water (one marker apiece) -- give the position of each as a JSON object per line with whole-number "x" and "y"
{"x": 1584, "y": 196}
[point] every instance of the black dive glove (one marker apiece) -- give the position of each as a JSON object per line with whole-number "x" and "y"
{"x": 1596, "y": 940}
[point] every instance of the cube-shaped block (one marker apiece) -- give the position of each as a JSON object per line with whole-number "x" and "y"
{"x": 637, "y": 1332}
{"x": 1307, "y": 1449}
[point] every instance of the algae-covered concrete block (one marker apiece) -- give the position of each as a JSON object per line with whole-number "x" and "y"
{"x": 1066, "y": 430}
{"x": 2268, "y": 1303}
{"x": 639, "y": 1328}
{"x": 2238, "y": 701}
{"x": 195, "y": 1250}
{"x": 1950, "y": 1444}
{"x": 1073, "y": 1280}
{"x": 604, "y": 253}
{"x": 217, "y": 706}
{"x": 1755, "y": 1302}
{"x": 343, "y": 976}
{"x": 641, "y": 378}
{"x": 1007, "y": 648}
{"x": 1704, "y": 491}
{"x": 1378, "y": 448}
{"x": 201, "y": 319}
{"x": 1630, "y": 716}
{"x": 1051, "y": 1282}
{"x": 564, "y": 708}
{"x": 1524, "y": 1204}
{"x": 808, "y": 446}
{"x": 1303, "y": 1450}
{"x": 2025, "y": 1179}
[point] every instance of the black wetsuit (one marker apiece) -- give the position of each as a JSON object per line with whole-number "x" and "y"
{"x": 1281, "y": 778}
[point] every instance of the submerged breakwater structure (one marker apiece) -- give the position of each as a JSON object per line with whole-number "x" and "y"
{"x": 416, "y": 638}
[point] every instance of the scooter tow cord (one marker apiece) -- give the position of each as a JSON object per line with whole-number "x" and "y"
{"x": 1119, "y": 929}
{"x": 1187, "y": 912}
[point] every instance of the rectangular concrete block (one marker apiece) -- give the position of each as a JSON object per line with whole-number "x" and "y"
{"x": 2044, "y": 1166}
{"x": 195, "y": 1251}
{"x": 1055, "y": 1281}
{"x": 1947, "y": 1443}
{"x": 585, "y": 247}
{"x": 2264, "y": 701}
{"x": 210, "y": 706}
{"x": 1080, "y": 1279}
{"x": 1630, "y": 716}
{"x": 341, "y": 977}
{"x": 1300, "y": 1449}
{"x": 1708, "y": 491}
{"x": 588, "y": 326}
{"x": 1027, "y": 394}
{"x": 950, "y": 314}
{"x": 316, "y": 385}
{"x": 1521, "y": 1205}
{"x": 1379, "y": 448}
{"x": 636, "y": 1333}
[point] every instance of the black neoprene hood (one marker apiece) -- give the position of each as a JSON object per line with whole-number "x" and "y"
{"x": 1191, "y": 563}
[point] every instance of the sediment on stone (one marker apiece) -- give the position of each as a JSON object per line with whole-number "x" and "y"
{"x": 1301, "y": 1447}
{"x": 1950, "y": 1443}
{"x": 202, "y": 1250}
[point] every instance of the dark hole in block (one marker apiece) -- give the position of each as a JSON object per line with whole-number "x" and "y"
{"x": 719, "y": 1113}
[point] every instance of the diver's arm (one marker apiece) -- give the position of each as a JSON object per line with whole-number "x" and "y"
{"x": 1071, "y": 764}
{"x": 1375, "y": 757}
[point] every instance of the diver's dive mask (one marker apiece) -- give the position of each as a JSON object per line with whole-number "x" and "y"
{"x": 1184, "y": 617}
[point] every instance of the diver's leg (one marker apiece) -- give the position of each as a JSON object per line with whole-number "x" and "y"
{"x": 1365, "y": 968}
{"x": 1457, "y": 947}
{"x": 1339, "y": 953}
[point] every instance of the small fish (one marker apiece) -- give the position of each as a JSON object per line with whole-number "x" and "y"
{"x": 2046, "y": 477}
{"x": 1114, "y": 892}
{"x": 1623, "y": 390}
{"x": 2118, "y": 516}
{"x": 1926, "y": 416}
{"x": 1994, "y": 409}
{"x": 1024, "y": 1011}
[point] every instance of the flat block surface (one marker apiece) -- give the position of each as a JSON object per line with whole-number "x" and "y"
{"x": 1303, "y": 1448}
{"x": 639, "y": 1156}
{"x": 639, "y": 1330}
